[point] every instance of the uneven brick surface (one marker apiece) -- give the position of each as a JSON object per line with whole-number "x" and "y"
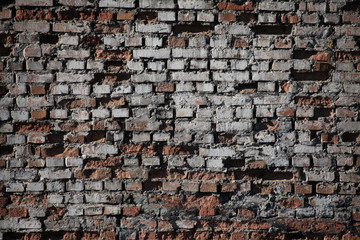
{"x": 179, "y": 119}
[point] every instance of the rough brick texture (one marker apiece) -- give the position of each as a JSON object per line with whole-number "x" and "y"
{"x": 179, "y": 119}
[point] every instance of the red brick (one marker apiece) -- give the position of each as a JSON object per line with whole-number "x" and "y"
{"x": 246, "y": 213}
{"x": 321, "y": 56}
{"x": 222, "y": 225}
{"x": 33, "y": 236}
{"x": 90, "y": 236}
{"x": 285, "y": 87}
{"x": 177, "y": 150}
{"x": 24, "y": 14}
{"x": 330, "y": 137}
{"x": 125, "y": 16}
{"x": 110, "y": 125}
{"x": 350, "y": 236}
{"x": 289, "y": 18}
{"x": 98, "y": 163}
{"x": 3, "y": 139}
{"x": 106, "y": 16}
{"x": 351, "y": 56}
{"x": 239, "y": 236}
{"x": 5, "y": 13}
{"x": 227, "y": 17}
{"x": 351, "y": 18}
{"x": 108, "y": 235}
{"x": 131, "y": 211}
{"x": 252, "y": 225}
{"x": 228, "y": 187}
{"x": 283, "y": 43}
{"x": 112, "y": 55}
{"x": 286, "y": 112}
{"x": 37, "y": 90}
{"x": 55, "y": 213}
{"x": 28, "y": 199}
{"x": 36, "y": 138}
{"x": 36, "y": 163}
{"x": 44, "y": 15}
{"x": 78, "y": 103}
{"x": 176, "y": 42}
{"x": 3, "y": 201}
{"x": 257, "y": 164}
{"x": 38, "y": 114}
{"x": 298, "y": 225}
{"x": 87, "y": 15}
{"x": 208, "y": 187}
{"x": 165, "y": 87}
{"x": 248, "y": 6}
{"x": 2, "y": 162}
{"x": 325, "y": 188}
{"x": 70, "y": 236}
{"x": 313, "y": 101}
{"x": 133, "y": 186}
{"x": 356, "y": 216}
{"x": 207, "y": 205}
{"x": 111, "y": 28}
{"x": 138, "y": 149}
{"x": 303, "y": 189}
{"x": 17, "y": 212}
{"x": 259, "y": 235}
{"x": 170, "y": 186}
{"x": 147, "y": 236}
{"x": 3, "y": 212}
{"x": 240, "y": 43}
{"x": 101, "y": 173}
{"x": 312, "y": 125}
{"x": 60, "y": 152}
{"x": 32, "y": 127}
{"x": 72, "y": 138}
{"x": 120, "y": 173}
{"x": 111, "y": 102}
{"x": 292, "y": 202}
{"x": 328, "y": 226}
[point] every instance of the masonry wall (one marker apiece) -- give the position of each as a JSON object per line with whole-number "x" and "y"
{"x": 179, "y": 119}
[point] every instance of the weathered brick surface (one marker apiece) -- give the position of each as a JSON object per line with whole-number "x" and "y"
{"x": 186, "y": 119}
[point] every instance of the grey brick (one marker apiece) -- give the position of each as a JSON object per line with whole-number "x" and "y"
{"x": 29, "y": 224}
{"x": 195, "y": 4}
{"x": 153, "y": 28}
{"x": 189, "y": 53}
{"x": 185, "y": 76}
{"x": 151, "y": 53}
{"x": 231, "y": 76}
{"x": 157, "y": 4}
{"x": 117, "y": 3}
{"x": 277, "y": 6}
{"x": 233, "y": 126}
{"x": 148, "y": 77}
{"x": 74, "y": 186}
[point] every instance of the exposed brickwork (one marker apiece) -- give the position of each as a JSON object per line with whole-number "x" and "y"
{"x": 179, "y": 119}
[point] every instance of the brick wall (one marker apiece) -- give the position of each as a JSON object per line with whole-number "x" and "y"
{"x": 179, "y": 119}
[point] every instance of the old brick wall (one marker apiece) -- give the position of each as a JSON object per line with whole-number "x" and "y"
{"x": 179, "y": 119}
